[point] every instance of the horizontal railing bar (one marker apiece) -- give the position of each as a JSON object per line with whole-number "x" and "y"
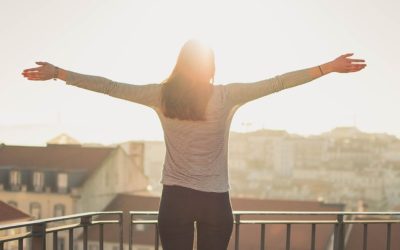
{"x": 96, "y": 222}
{"x": 144, "y": 222}
{"x": 311, "y": 213}
{"x": 15, "y": 237}
{"x": 55, "y": 219}
{"x": 62, "y": 228}
{"x": 285, "y": 213}
{"x": 317, "y": 221}
{"x": 371, "y": 221}
{"x": 143, "y": 212}
{"x": 287, "y": 222}
{"x": 280, "y": 222}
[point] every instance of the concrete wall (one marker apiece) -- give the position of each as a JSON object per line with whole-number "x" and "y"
{"x": 121, "y": 172}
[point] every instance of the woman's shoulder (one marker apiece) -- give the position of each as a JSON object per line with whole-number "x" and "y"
{"x": 219, "y": 92}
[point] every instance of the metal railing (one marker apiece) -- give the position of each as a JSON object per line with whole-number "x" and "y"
{"x": 341, "y": 219}
{"x": 38, "y": 230}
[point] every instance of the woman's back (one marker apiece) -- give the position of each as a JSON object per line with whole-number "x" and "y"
{"x": 197, "y": 150}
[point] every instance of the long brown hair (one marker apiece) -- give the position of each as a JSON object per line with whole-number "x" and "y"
{"x": 185, "y": 93}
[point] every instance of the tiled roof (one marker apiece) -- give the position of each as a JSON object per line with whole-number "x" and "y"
{"x": 10, "y": 213}
{"x": 71, "y": 157}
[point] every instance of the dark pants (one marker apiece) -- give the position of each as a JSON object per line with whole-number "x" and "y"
{"x": 181, "y": 207}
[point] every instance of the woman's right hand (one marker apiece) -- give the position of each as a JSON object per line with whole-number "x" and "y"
{"x": 45, "y": 71}
{"x": 343, "y": 64}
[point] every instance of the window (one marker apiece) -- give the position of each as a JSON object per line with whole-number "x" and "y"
{"x": 35, "y": 210}
{"x": 59, "y": 210}
{"x": 15, "y": 180}
{"x": 38, "y": 181}
{"x": 62, "y": 182}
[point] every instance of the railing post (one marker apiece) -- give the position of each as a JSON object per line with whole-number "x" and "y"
{"x": 313, "y": 230}
{"x": 156, "y": 238}
{"x": 388, "y": 236}
{"x": 339, "y": 233}
{"x": 365, "y": 235}
{"x": 237, "y": 225}
{"x": 55, "y": 240}
{"x": 288, "y": 233}
{"x": 71, "y": 239}
{"x": 101, "y": 236}
{"x": 121, "y": 231}
{"x": 86, "y": 221}
{"x": 20, "y": 244}
{"x": 130, "y": 231}
{"x": 262, "y": 243}
{"x": 38, "y": 236}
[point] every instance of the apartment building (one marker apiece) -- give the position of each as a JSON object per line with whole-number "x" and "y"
{"x": 60, "y": 179}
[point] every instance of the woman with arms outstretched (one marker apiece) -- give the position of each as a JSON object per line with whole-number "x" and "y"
{"x": 195, "y": 115}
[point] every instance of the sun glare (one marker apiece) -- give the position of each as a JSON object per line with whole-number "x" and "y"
{"x": 138, "y": 42}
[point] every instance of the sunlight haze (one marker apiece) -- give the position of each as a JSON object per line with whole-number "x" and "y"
{"x": 138, "y": 42}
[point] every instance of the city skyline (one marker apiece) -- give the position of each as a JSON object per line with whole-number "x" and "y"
{"x": 45, "y": 135}
{"x": 253, "y": 40}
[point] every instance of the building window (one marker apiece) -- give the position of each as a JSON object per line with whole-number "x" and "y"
{"x": 38, "y": 181}
{"x": 59, "y": 210}
{"x": 62, "y": 182}
{"x": 13, "y": 203}
{"x": 15, "y": 180}
{"x": 35, "y": 210}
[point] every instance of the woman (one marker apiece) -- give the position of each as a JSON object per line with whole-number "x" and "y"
{"x": 195, "y": 115}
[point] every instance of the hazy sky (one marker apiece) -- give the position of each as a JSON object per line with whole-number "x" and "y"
{"x": 138, "y": 42}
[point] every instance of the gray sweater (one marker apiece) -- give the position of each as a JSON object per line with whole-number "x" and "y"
{"x": 196, "y": 151}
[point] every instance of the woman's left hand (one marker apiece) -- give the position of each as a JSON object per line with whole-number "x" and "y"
{"x": 344, "y": 64}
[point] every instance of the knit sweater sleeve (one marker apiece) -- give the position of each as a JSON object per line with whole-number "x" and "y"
{"x": 240, "y": 93}
{"x": 148, "y": 95}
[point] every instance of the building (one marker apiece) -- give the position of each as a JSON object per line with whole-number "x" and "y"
{"x": 121, "y": 172}
{"x": 61, "y": 179}
{"x": 154, "y": 154}
{"x": 344, "y": 165}
{"x": 10, "y": 215}
{"x": 45, "y": 181}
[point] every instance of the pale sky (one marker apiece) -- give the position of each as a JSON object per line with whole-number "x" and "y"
{"x": 138, "y": 41}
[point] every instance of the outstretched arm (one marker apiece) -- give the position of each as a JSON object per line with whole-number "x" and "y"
{"x": 148, "y": 95}
{"x": 240, "y": 93}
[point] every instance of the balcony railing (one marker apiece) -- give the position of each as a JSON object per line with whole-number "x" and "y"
{"x": 36, "y": 232}
{"x": 340, "y": 221}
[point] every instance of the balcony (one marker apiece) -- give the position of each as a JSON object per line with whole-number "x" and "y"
{"x": 341, "y": 229}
